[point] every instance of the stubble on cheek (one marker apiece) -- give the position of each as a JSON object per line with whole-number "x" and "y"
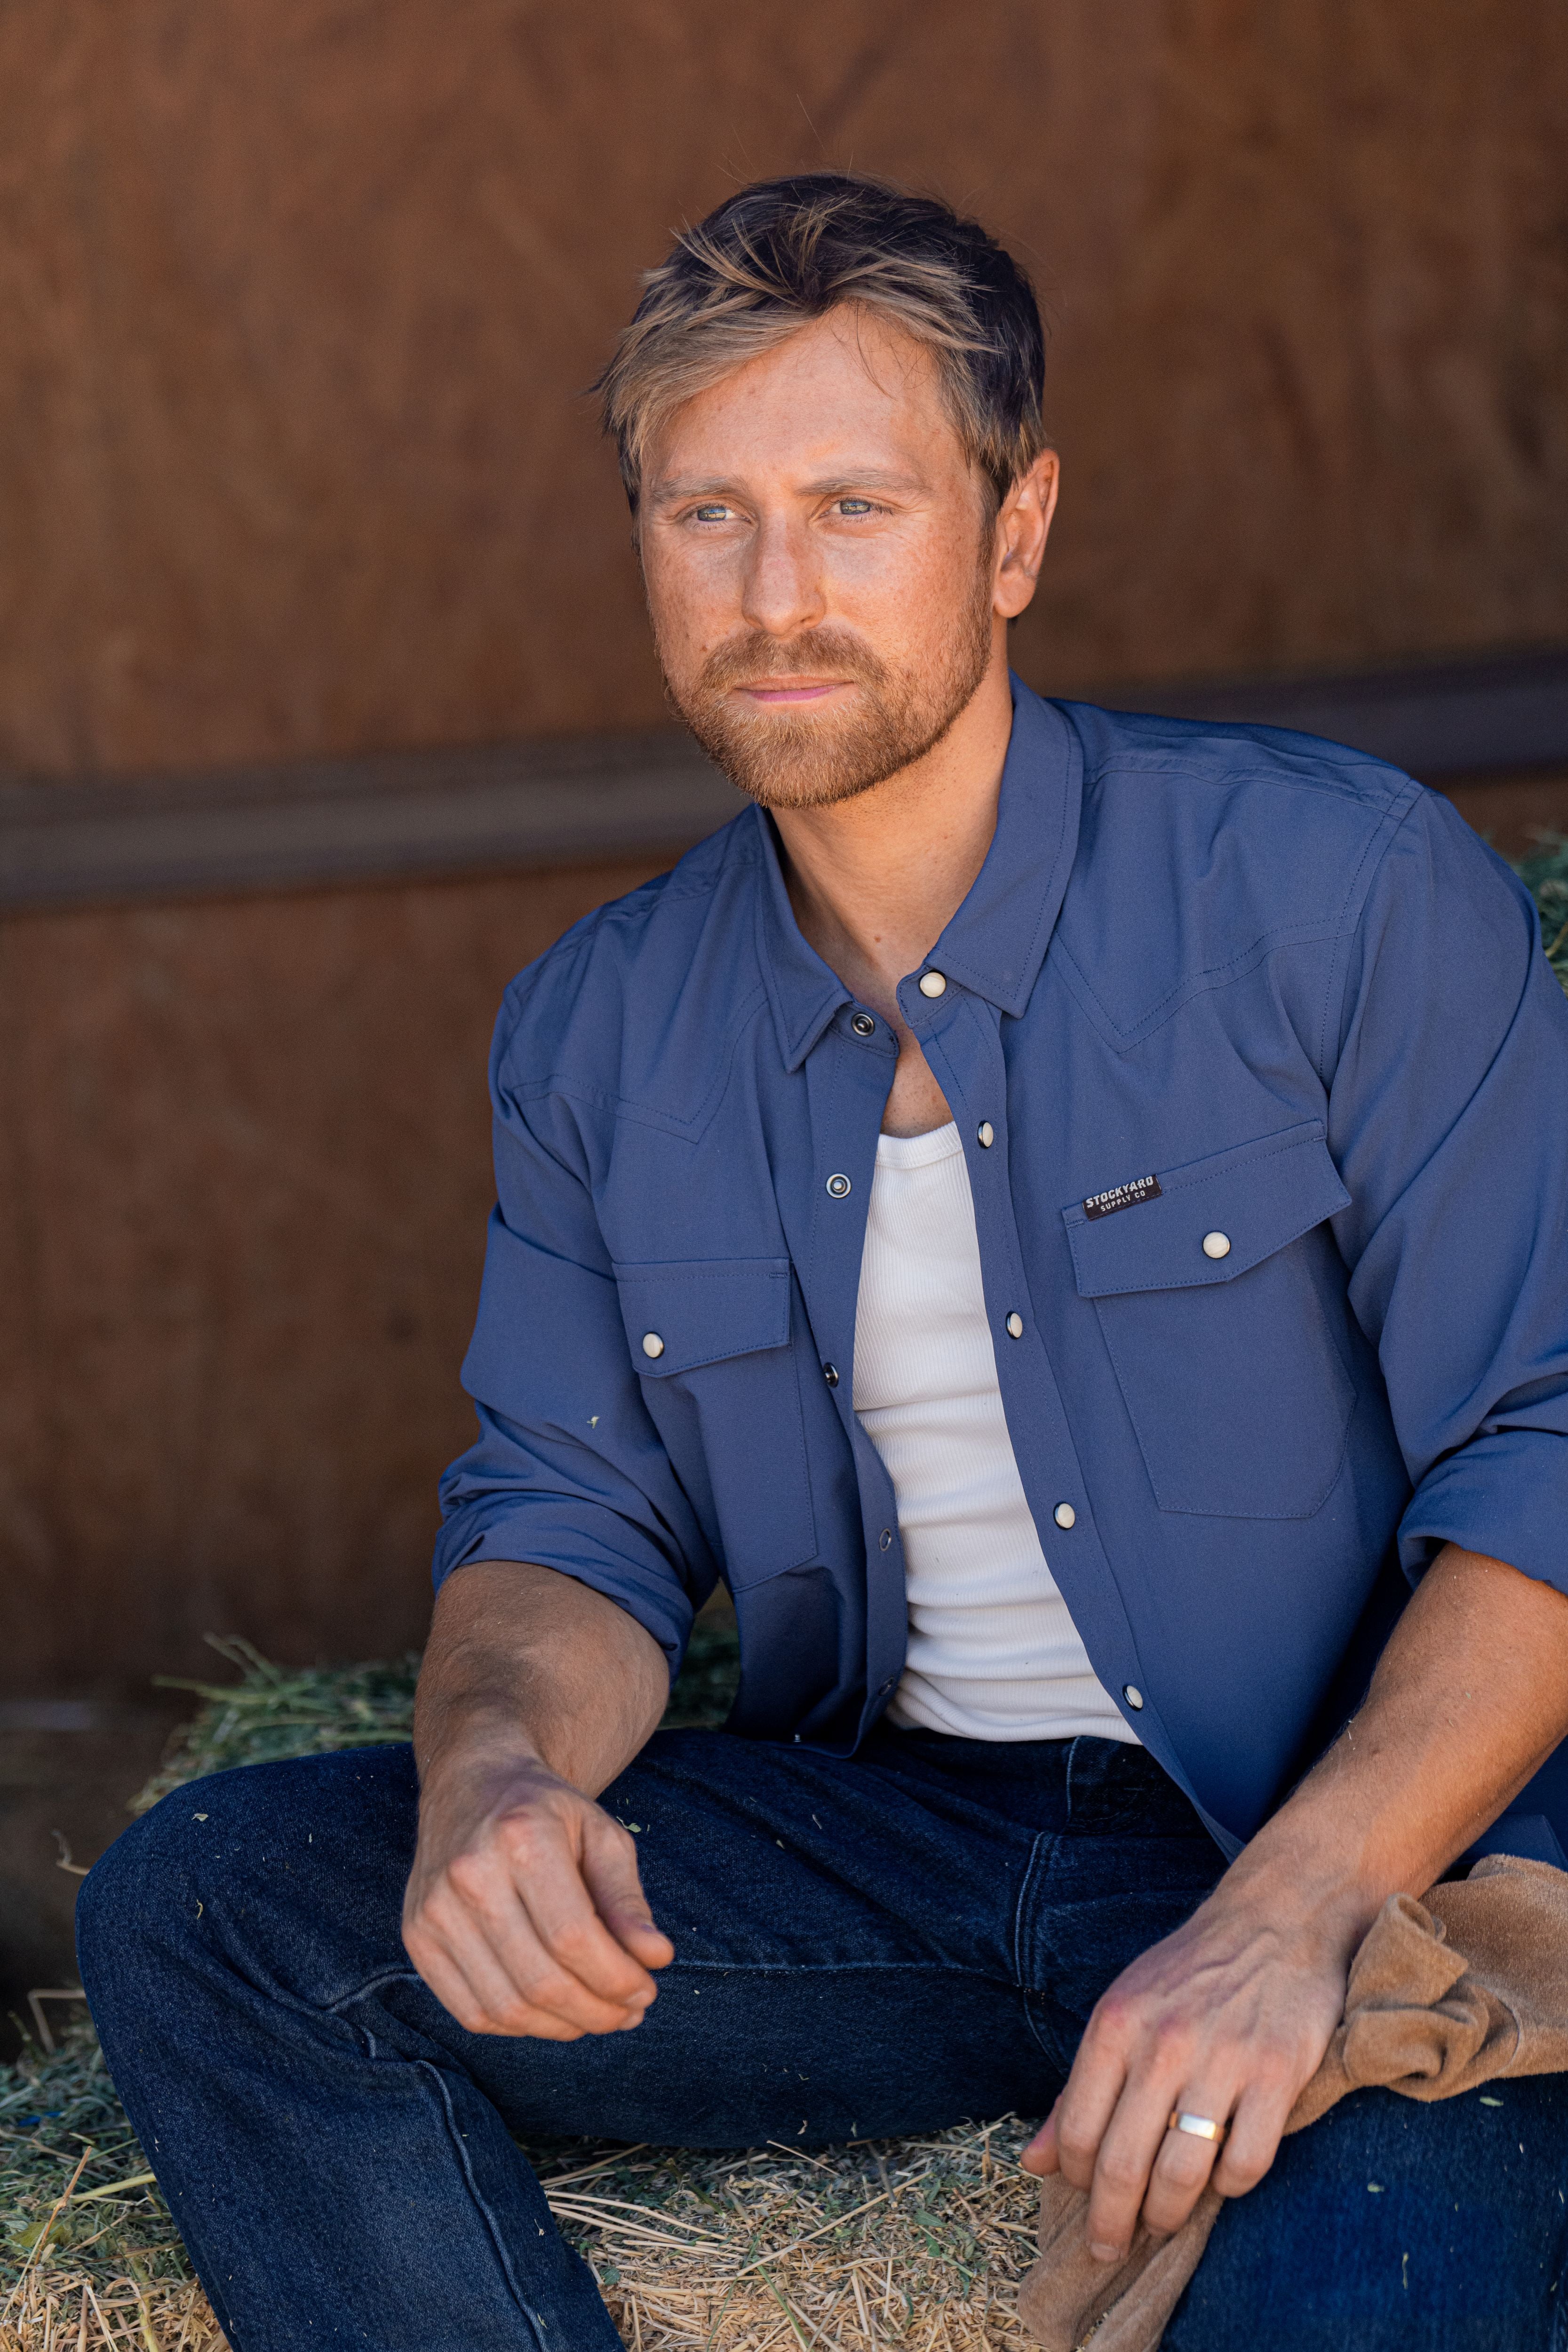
{"x": 812, "y": 756}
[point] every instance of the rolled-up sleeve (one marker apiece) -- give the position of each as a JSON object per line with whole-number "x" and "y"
{"x": 568, "y": 1470}
{"x": 1448, "y": 1120}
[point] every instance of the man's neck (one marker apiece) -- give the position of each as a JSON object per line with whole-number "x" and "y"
{"x": 874, "y": 881}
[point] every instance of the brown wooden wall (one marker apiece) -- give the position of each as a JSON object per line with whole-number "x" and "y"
{"x": 299, "y": 303}
{"x": 243, "y": 1194}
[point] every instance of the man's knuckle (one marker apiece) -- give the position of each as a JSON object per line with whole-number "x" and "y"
{"x": 573, "y": 1939}
{"x": 468, "y": 1875}
{"x": 1115, "y": 2016}
{"x": 520, "y": 1838}
{"x": 1172, "y": 2037}
{"x": 1122, "y": 2173}
{"x": 549, "y": 1988}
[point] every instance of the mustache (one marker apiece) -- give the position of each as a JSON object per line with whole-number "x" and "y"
{"x": 746, "y": 660}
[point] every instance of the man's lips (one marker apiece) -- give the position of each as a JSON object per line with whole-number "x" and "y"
{"x": 807, "y": 690}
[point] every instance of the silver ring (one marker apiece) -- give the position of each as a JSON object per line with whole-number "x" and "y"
{"x": 1200, "y": 2127}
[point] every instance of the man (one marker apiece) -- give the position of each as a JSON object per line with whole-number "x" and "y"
{"x": 1063, "y": 1214}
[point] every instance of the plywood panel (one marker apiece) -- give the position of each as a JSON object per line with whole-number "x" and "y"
{"x": 300, "y": 301}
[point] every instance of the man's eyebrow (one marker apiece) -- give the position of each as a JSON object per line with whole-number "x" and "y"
{"x": 845, "y": 480}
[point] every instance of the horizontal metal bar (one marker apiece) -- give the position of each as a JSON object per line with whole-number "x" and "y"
{"x": 402, "y": 815}
{"x": 428, "y": 814}
{"x": 1502, "y": 713}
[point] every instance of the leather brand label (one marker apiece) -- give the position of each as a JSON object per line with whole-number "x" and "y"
{"x": 1130, "y": 1195}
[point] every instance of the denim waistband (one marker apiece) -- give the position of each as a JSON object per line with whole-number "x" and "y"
{"x": 1086, "y": 1785}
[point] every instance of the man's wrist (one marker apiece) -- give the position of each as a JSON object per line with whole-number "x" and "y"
{"x": 480, "y": 1744}
{"x": 1315, "y": 1890}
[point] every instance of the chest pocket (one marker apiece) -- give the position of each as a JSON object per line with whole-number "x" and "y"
{"x": 1218, "y": 1300}
{"x": 711, "y": 1340}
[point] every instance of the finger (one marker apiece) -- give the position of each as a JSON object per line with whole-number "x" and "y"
{"x": 482, "y": 1918}
{"x": 1042, "y": 2156}
{"x": 611, "y": 1875}
{"x": 479, "y": 1998}
{"x": 1131, "y": 2143}
{"x": 1083, "y": 2112}
{"x": 1257, "y": 2128}
{"x": 1185, "y": 2161}
{"x": 564, "y": 1919}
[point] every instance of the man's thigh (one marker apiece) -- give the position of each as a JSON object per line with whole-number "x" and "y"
{"x": 1393, "y": 2226}
{"x": 845, "y": 1962}
{"x": 845, "y": 1951}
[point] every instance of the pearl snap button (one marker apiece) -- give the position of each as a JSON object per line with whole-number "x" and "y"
{"x": 933, "y": 983}
{"x": 988, "y": 1135}
{"x": 1216, "y": 1245}
{"x": 830, "y": 1374}
{"x": 863, "y": 1025}
{"x": 1065, "y": 1516}
{"x": 1133, "y": 1696}
{"x": 1014, "y": 1326}
{"x": 652, "y": 1345}
{"x": 838, "y": 1187}
{"x": 885, "y": 1538}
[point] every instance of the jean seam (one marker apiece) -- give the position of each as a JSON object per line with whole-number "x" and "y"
{"x": 1043, "y": 1838}
{"x": 476, "y": 2195}
{"x": 1039, "y": 1853}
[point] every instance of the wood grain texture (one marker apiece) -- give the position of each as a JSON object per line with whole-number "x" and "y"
{"x": 301, "y": 300}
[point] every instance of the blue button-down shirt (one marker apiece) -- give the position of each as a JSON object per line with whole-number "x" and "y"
{"x": 1259, "y": 990}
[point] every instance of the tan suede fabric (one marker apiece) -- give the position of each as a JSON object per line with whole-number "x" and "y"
{"x": 1443, "y": 1995}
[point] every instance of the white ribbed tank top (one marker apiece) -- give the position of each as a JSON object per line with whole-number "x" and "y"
{"x": 993, "y": 1652}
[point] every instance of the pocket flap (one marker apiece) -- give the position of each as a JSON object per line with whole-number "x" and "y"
{"x": 700, "y": 1310}
{"x": 1256, "y": 1198}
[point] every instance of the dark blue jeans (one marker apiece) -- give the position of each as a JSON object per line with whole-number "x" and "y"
{"x": 862, "y": 1949}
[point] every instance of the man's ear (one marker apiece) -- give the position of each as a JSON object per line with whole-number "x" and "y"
{"x": 1022, "y": 526}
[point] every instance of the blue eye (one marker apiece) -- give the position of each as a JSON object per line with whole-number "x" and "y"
{"x": 709, "y": 514}
{"x": 855, "y": 506}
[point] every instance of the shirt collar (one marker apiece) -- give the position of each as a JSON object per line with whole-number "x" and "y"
{"x": 996, "y": 941}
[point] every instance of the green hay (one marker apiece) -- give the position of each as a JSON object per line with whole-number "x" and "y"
{"x": 1545, "y": 875}
{"x": 54, "y": 2105}
{"x": 273, "y": 1712}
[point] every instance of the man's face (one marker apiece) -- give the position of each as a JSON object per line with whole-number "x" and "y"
{"x": 819, "y": 558}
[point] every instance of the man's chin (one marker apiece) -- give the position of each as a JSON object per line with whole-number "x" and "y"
{"x": 798, "y": 758}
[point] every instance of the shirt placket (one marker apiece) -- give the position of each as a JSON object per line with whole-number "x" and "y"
{"x": 960, "y": 1033}
{"x": 849, "y": 1074}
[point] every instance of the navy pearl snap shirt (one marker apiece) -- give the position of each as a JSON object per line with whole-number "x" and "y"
{"x": 1262, "y": 1081}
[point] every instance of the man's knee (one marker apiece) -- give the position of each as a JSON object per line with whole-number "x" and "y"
{"x": 293, "y": 1870}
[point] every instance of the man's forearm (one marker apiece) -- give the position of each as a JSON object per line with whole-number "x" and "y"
{"x": 525, "y": 1911}
{"x": 1469, "y": 1698}
{"x": 522, "y": 1660}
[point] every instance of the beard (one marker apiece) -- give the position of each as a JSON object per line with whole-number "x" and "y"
{"x": 797, "y": 760}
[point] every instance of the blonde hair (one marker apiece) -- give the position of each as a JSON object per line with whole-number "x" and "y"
{"x": 783, "y": 252}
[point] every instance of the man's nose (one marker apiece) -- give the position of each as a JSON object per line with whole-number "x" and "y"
{"x": 782, "y": 591}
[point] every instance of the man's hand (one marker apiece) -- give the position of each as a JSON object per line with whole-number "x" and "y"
{"x": 1228, "y": 2018}
{"x": 524, "y": 1912}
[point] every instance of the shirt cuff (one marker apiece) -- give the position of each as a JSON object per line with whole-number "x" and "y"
{"x": 1505, "y": 1495}
{"x": 653, "y": 1596}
